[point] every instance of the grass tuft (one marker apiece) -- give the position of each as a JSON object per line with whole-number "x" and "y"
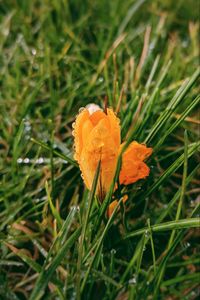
{"x": 55, "y": 239}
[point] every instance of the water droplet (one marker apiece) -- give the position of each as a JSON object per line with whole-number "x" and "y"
{"x": 27, "y": 128}
{"x": 33, "y": 51}
{"x": 26, "y": 160}
{"x": 20, "y": 160}
{"x": 81, "y": 109}
{"x": 101, "y": 79}
{"x": 113, "y": 251}
{"x": 75, "y": 207}
{"x": 132, "y": 280}
{"x": 73, "y": 124}
{"x": 5, "y": 31}
{"x": 92, "y": 107}
{"x": 37, "y": 200}
{"x": 185, "y": 43}
{"x": 26, "y": 122}
{"x": 40, "y": 160}
{"x": 73, "y": 296}
{"x": 192, "y": 203}
{"x": 27, "y": 137}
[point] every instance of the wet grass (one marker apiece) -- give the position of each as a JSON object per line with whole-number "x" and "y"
{"x": 56, "y": 57}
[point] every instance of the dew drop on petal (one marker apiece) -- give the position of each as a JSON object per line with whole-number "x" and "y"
{"x": 92, "y": 107}
{"x": 81, "y": 109}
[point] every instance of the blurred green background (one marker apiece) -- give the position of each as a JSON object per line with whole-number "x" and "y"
{"x": 56, "y": 57}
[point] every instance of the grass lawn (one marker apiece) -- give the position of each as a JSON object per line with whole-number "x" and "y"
{"x": 142, "y": 57}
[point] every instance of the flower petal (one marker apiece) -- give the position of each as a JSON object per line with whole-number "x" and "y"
{"x": 115, "y": 126}
{"x": 113, "y": 204}
{"x": 96, "y": 117}
{"x": 77, "y": 132}
{"x": 137, "y": 151}
{"x": 100, "y": 146}
{"x": 133, "y": 167}
{"x": 86, "y": 130}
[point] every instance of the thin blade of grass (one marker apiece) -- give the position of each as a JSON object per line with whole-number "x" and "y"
{"x": 47, "y": 272}
{"x": 183, "y": 187}
{"x": 192, "y": 148}
{"x": 179, "y": 96}
{"x": 189, "y": 108}
{"x": 180, "y": 224}
{"x": 84, "y": 227}
{"x": 176, "y": 196}
{"x": 53, "y": 209}
{"x": 55, "y": 152}
{"x": 99, "y": 244}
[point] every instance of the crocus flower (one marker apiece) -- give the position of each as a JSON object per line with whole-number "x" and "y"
{"x": 97, "y": 138}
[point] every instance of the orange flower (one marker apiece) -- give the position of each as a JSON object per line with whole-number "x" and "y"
{"x": 133, "y": 167}
{"x": 97, "y": 137}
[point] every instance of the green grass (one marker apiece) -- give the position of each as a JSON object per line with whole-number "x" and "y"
{"x": 56, "y": 57}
